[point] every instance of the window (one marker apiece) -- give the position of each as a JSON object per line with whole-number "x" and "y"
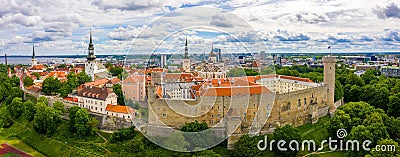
{"x": 164, "y": 115}
{"x": 299, "y": 102}
{"x": 305, "y": 101}
{"x": 96, "y": 108}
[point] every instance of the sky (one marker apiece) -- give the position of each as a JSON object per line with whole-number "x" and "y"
{"x": 154, "y": 26}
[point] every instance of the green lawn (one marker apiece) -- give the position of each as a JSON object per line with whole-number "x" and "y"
{"x": 9, "y": 155}
{"x": 60, "y": 144}
{"x": 15, "y": 142}
{"x": 316, "y": 132}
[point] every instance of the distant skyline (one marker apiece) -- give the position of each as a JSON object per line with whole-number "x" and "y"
{"x": 62, "y": 27}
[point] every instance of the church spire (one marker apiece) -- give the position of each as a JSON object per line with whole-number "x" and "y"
{"x": 186, "y": 50}
{"x": 33, "y": 51}
{"x": 91, "y": 55}
{"x": 212, "y": 54}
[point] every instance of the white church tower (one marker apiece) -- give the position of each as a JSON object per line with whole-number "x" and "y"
{"x": 186, "y": 59}
{"x": 91, "y": 63}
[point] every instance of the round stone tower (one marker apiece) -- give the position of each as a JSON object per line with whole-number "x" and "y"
{"x": 329, "y": 79}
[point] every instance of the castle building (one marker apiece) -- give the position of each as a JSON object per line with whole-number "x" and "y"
{"x": 245, "y": 105}
{"x": 186, "y": 59}
{"x": 96, "y": 70}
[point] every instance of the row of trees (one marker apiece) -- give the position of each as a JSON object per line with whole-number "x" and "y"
{"x": 247, "y": 145}
{"x": 373, "y": 88}
{"x": 52, "y": 85}
{"x": 46, "y": 119}
{"x": 365, "y": 122}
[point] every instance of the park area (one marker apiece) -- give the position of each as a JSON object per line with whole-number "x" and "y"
{"x": 12, "y": 146}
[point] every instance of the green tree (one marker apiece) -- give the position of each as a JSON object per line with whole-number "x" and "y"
{"x": 202, "y": 137}
{"x": 59, "y": 107}
{"x": 194, "y": 127}
{"x": 51, "y": 85}
{"x": 246, "y": 146}
{"x": 339, "y": 93}
{"x": 394, "y": 105}
{"x": 368, "y": 76}
{"x": 368, "y": 93}
{"x": 84, "y": 123}
{"x": 176, "y": 141}
{"x": 116, "y": 70}
{"x": 29, "y": 110}
{"x": 236, "y": 72}
{"x": 353, "y": 79}
{"x": 83, "y": 78}
{"x": 381, "y": 99}
{"x": 62, "y": 66}
{"x": 386, "y": 142}
{"x": 123, "y": 134}
{"x": 360, "y": 133}
{"x": 72, "y": 80}
{"x": 65, "y": 89}
{"x": 16, "y": 108}
{"x": 28, "y": 81}
{"x": 71, "y": 114}
{"x": 46, "y": 119}
{"x": 354, "y": 94}
{"x": 251, "y": 72}
{"x": 286, "y": 133}
{"x": 43, "y": 99}
{"x": 118, "y": 91}
{"x": 340, "y": 120}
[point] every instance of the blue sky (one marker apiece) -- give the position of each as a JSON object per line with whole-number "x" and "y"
{"x": 139, "y": 26}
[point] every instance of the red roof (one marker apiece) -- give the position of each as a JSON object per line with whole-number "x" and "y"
{"x": 120, "y": 109}
{"x": 239, "y": 90}
{"x": 38, "y": 67}
{"x": 71, "y": 99}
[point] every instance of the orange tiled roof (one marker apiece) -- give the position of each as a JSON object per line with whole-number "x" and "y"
{"x": 120, "y": 109}
{"x": 231, "y": 91}
{"x": 58, "y": 73}
{"x": 97, "y": 82}
{"x": 34, "y": 88}
{"x": 38, "y": 67}
{"x": 134, "y": 79}
{"x": 43, "y": 73}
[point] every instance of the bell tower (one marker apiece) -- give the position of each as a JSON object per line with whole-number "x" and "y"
{"x": 186, "y": 59}
{"x": 329, "y": 79}
{"x": 91, "y": 63}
